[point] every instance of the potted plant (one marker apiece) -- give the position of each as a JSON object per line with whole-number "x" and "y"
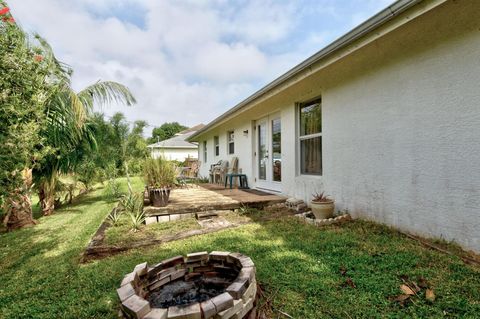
{"x": 160, "y": 176}
{"x": 322, "y": 206}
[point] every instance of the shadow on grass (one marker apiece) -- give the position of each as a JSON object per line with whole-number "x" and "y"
{"x": 306, "y": 268}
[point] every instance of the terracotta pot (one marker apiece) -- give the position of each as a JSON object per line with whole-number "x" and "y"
{"x": 323, "y": 210}
{"x": 159, "y": 196}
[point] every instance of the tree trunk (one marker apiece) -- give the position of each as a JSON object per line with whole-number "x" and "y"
{"x": 18, "y": 206}
{"x": 46, "y": 196}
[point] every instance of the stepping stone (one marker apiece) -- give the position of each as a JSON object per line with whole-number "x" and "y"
{"x": 206, "y": 215}
{"x": 215, "y": 222}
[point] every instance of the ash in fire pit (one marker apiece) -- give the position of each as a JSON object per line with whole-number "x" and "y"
{"x": 200, "y": 286}
{"x": 186, "y": 292}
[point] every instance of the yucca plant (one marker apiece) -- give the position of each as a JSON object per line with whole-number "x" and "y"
{"x": 137, "y": 219}
{"x": 132, "y": 204}
{"x": 114, "y": 216}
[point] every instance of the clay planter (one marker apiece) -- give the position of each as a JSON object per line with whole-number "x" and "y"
{"x": 323, "y": 210}
{"x": 159, "y": 196}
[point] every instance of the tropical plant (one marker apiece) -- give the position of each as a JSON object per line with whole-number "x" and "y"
{"x": 159, "y": 173}
{"x": 24, "y": 90}
{"x": 320, "y": 198}
{"x": 66, "y": 187}
{"x": 69, "y": 130}
{"x": 132, "y": 204}
{"x": 114, "y": 216}
{"x": 137, "y": 219}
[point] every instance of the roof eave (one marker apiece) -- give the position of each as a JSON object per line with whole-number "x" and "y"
{"x": 361, "y": 30}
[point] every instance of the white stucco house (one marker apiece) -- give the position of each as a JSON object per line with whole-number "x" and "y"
{"x": 177, "y": 148}
{"x": 386, "y": 120}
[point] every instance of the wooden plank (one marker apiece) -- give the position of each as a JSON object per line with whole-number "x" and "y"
{"x": 211, "y": 197}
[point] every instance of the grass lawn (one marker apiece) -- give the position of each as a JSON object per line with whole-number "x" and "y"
{"x": 121, "y": 234}
{"x": 301, "y": 265}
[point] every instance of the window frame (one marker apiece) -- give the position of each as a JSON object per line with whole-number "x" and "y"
{"x": 301, "y": 138}
{"x": 232, "y": 141}
{"x": 216, "y": 145}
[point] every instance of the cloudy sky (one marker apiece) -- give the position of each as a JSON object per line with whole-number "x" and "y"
{"x": 187, "y": 60}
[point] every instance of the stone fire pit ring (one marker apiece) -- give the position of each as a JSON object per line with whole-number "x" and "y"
{"x": 139, "y": 288}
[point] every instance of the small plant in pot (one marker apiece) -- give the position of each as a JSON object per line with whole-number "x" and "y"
{"x": 159, "y": 175}
{"x": 322, "y": 206}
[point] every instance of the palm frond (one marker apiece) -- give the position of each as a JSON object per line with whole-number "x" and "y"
{"x": 62, "y": 72}
{"x": 106, "y": 92}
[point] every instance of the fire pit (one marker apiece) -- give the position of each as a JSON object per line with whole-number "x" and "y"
{"x": 200, "y": 286}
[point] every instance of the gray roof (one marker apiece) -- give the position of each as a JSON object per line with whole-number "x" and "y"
{"x": 178, "y": 141}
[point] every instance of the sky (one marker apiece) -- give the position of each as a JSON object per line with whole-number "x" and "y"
{"x": 187, "y": 60}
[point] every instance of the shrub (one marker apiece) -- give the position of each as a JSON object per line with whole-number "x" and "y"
{"x": 112, "y": 190}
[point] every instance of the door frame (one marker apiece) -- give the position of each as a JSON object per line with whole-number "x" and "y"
{"x": 268, "y": 184}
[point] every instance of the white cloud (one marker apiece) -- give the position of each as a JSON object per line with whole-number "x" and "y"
{"x": 185, "y": 60}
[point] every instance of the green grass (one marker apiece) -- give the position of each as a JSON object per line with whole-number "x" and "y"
{"x": 121, "y": 234}
{"x": 41, "y": 276}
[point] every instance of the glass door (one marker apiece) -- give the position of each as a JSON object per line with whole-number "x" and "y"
{"x": 268, "y": 152}
{"x": 262, "y": 150}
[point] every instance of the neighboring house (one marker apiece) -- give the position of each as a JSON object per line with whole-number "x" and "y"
{"x": 385, "y": 119}
{"x": 177, "y": 148}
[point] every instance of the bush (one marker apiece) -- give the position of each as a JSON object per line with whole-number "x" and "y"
{"x": 112, "y": 190}
{"x": 135, "y": 166}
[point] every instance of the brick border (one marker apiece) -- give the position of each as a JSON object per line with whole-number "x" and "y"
{"x": 236, "y": 303}
{"x": 323, "y": 222}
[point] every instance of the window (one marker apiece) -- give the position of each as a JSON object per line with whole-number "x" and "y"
{"x": 204, "y": 151}
{"x": 216, "y": 143}
{"x": 310, "y": 138}
{"x": 231, "y": 142}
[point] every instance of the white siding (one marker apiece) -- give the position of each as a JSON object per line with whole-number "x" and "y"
{"x": 176, "y": 154}
{"x": 243, "y": 147}
{"x": 401, "y": 128}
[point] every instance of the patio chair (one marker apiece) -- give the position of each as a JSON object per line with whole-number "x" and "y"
{"x": 194, "y": 168}
{"x": 227, "y": 169}
{"x": 181, "y": 176}
{"x": 213, "y": 169}
{"x": 220, "y": 172}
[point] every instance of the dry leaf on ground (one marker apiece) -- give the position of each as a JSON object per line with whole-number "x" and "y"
{"x": 407, "y": 290}
{"x": 430, "y": 295}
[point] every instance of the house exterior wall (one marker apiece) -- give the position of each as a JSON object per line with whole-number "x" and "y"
{"x": 243, "y": 147}
{"x": 176, "y": 154}
{"x": 402, "y": 128}
{"x": 401, "y": 125}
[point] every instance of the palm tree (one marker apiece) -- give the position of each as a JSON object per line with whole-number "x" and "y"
{"x": 69, "y": 126}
